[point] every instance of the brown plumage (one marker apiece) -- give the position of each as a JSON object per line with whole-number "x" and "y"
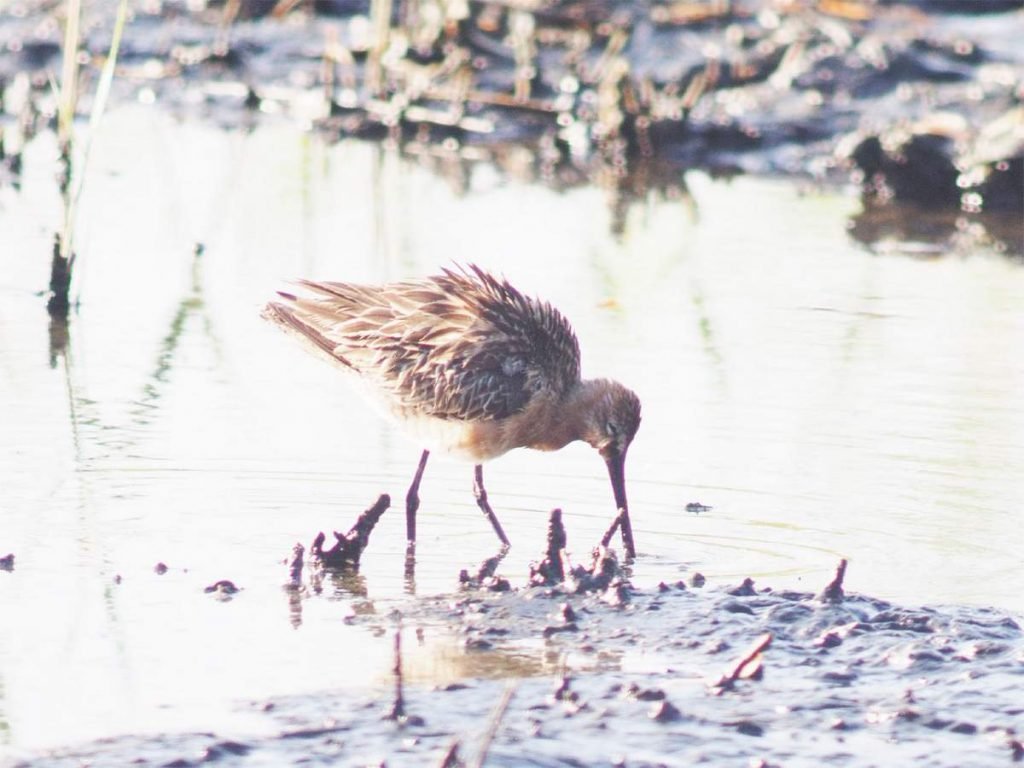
{"x": 469, "y": 364}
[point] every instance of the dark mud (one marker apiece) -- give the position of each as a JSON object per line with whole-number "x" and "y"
{"x": 919, "y": 103}
{"x": 347, "y": 547}
{"x": 571, "y": 665}
{"x": 672, "y": 676}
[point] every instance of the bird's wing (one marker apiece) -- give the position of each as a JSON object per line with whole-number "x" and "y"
{"x": 462, "y": 345}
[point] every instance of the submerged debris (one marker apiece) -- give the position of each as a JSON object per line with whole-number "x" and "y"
{"x": 222, "y": 588}
{"x": 834, "y": 591}
{"x": 746, "y": 589}
{"x": 549, "y": 571}
{"x": 1016, "y": 750}
{"x": 664, "y": 711}
{"x": 748, "y": 666}
{"x": 603, "y": 575}
{"x": 485, "y": 577}
{"x": 348, "y": 547}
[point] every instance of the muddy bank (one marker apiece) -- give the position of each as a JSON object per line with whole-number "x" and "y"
{"x": 652, "y": 678}
{"x": 574, "y": 666}
{"x": 916, "y": 103}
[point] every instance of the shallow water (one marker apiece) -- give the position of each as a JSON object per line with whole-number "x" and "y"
{"x": 824, "y": 399}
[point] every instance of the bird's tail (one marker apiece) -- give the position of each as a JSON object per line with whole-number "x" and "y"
{"x": 287, "y": 315}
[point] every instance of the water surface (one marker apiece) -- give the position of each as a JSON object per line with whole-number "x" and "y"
{"x": 824, "y": 399}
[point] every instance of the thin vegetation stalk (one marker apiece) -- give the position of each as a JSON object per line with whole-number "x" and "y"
{"x": 67, "y": 102}
{"x": 68, "y": 95}
{"x": 493, "y": 724}
{"x": 99, "y": 107}
{"x": 380, "y": 19}
{"x": 63, "y": 252}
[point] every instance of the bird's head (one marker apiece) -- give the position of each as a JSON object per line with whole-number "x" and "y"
{"x": 612, "y": 419}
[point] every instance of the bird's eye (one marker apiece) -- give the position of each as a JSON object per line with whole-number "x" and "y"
{"x": 611, "y": 430}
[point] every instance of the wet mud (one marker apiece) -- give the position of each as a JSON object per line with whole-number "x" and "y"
{"x": 347, "y": 547}
{"x": 754, "y": 674}
{"x": 589, "y": 671}
{"x": 917, "y": 103}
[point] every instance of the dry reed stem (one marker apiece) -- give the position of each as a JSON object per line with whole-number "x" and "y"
{"x": 380, "y": 20}
{"x": 68, "y": 92}
{"x": 494, "y": 724}
{"x": 63, "y": 257}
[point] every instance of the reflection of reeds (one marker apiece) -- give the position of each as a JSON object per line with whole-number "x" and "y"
{"x": 420, "y": 75}
{"x": 191, "y": 305}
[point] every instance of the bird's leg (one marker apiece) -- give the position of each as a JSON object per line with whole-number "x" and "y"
{"x": 621, "y": 519}
{"x": 481, "y": 501}
{"x": 412, "y": 500}
{"x": 627, "y": 534}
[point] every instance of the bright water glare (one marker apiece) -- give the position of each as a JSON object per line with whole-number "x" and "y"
{"x": 822, "y": 400}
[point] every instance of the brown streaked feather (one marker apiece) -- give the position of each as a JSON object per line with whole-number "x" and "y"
{"x": 288, "y": 320}
{"x": 462, "y": 345}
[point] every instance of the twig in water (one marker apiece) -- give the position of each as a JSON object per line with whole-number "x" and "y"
{"x": 450, "y": 759}
{"x": 834, "y": 591}
{"x": 348, "y": 547}
{"x": 748, "y": 665}
{"x": 67, "y": 102}
{"x": 494, "y": 724}
{"x": 63, "y": 252}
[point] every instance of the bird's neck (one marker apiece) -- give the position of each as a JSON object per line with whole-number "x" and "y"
{"x": 553, "y": 423}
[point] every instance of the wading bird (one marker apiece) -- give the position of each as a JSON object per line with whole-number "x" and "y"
{"x": 467, "y": 363}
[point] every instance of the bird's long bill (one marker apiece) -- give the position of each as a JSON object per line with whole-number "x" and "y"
{"x": 617, "y": 472}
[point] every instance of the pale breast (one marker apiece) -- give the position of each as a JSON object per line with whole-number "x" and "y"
{"x": 544, "y": 425}
{"x": 475, "y": 441}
